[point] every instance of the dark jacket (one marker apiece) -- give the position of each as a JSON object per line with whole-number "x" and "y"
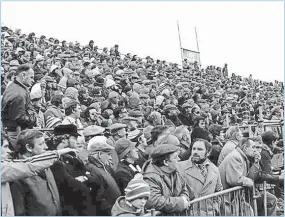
{"x": 259, "y": 176}
{"x": 74, "y": 195}
{"x": 143, "y": 157}
{"x": 104, "y": 189}
{"x": 124, "y": 175}
{"x": 36, "y": 195}
{"x": 16, "y": 107}
{"x": 265, "y": 161}
{"x": 185, "y": 119}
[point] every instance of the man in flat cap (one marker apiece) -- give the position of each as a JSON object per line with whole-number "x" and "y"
{"x": 131, "y": 122}
{"x": 168, "y": 190}
{"x": 104, "y": 189}
{"x": 91, "y": 131}
{"x": 117, "y": 131}
{"x": 127, "y": 169}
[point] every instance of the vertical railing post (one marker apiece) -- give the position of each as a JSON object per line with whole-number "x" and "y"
{"x": 254, "y": 201}
{"x": 265, "y": 198}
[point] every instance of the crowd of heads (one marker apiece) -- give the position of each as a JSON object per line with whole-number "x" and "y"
{"x": 123, "y": 108}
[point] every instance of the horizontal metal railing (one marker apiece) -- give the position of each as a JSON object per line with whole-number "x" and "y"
{"x": 236, "y": 201}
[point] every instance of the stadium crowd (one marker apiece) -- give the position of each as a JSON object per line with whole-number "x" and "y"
{"x": 94, "y": 132}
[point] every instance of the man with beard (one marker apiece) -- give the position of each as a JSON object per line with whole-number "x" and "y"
{"x": 202, "y": 175}
{"x": 93, "y": 116}
{"x": 104, "y": 189}
{"x": 171, "y": 114}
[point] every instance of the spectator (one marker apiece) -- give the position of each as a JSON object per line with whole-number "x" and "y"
{"x": 234, "y": 135}
{"x": 72, "y": 112}
{"x": 105, "y": 190}
{"x": 164, "y": 197}
{"x": 37, "y": 195}
{"x": 259, "y": 176}
{"x": 202, "y": 176}
{"x": 133, "y": 203}
{"x": 128, "y": 155}
{"x": 70, "y": 174}
{"x": 17, "y": 112}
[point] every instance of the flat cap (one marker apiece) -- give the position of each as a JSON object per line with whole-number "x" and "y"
{"x": 93, "y": 130}
{"x": 116, "y": 126}
{"x": 99, "y": 143}
{"x": 201, "y": 101}
{"x": 186, "y": 105}
{"x": 135, "y": 113}
{"x": 123, "y": 147}
{"x": 129, "y": 119}
{"x": 164, "y": 149}
{"x": 144, "y": 96}
{"x": 134, "y": 134}
{"x": 169, "y": 107}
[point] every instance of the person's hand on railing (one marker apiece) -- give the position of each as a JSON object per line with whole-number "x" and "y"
{"x": 186, "y": 202}
{"x": 248, "y": 182}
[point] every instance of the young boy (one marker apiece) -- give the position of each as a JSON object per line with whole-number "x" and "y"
{"x": 132, "y": 204}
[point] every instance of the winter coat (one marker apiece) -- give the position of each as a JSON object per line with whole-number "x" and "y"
{"x": 36, "y": 195}
{"x": 121, "y": 208}
{"x": 74, "y": 195}
{"x": 104, "y": 189}
{"x": 124, "y": 174}
{"x": 234, "y": 169}
{"x": 20, "y": 169}
{"x": 228, "y": 148}
{"x": 165, "y": 193}
{"x": 202, "y": 186}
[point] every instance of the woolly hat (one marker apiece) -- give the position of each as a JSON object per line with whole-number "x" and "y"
{"x": 137, "y": 188}
{"x": 51, "y": 122}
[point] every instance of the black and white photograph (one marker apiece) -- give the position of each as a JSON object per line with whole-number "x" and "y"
{"x": 142, "y": 108}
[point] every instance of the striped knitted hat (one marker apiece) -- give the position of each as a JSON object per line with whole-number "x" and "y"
{"x": 137, "y": 188}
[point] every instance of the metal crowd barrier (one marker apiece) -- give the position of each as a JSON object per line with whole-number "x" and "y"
{"x": 236, "y": 201}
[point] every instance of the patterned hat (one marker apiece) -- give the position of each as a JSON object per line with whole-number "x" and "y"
{"x": 137, "y": 188}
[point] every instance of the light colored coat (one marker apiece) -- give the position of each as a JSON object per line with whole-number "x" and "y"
{"x": 20, "y": 169}
{"x": 234, "y": 169}
{"x": 200, "y": 185}
{"x": 228, "y": 148}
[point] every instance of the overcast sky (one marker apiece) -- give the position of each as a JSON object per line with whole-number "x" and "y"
{"x": 248, "y": 36}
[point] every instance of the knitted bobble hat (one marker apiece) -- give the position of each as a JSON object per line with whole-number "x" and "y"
{"x": 137, "y": 188}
